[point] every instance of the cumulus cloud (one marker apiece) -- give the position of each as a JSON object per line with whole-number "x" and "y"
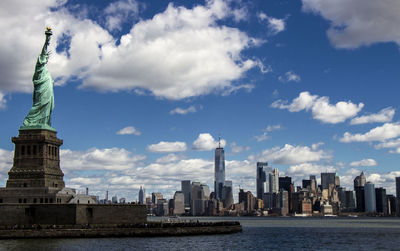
{"x": 320, "y": 107}
{"x": 358, "y": 22}
{"x": 275, "y": 25}
{"x": 120, "y": 12}
{"x": 293, "y": 155}
{"x": 385, "y": 115}
{"x": 165, "y": 147}
{"x": 182, "y": 111}
{"x": 289, "y": 76}
{"x": 177, "y": 54}
{"x": 206, "y": 142}
{"x": 380, "y": 133}
{"x": 389, "y": 144}
{"x": 306, "y": 169}
{"x": 129, "y": 130}
{"x": 364, "y": 162}
{"x": 6, "y": 158}
{"x": 168, "y": 158}
{"x": 198, "y": 56}
{"x": 99, "y": 159}
{"x": 235, "y": 148}
{"x": 264, "y": 136}
{"x": 386, "y": 180}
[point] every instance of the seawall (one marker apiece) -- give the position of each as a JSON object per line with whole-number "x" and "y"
{"x": 143, "y": 230}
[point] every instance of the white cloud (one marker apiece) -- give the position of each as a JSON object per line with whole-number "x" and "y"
{"x": 129, "y": 130}
{"x": 113, "y": 159}
{"x": 198, "y": 56}
{"x": 380, "y": 133}
{"x": 85, "y": 181}
{"x": 179, "y": 53}
{"x": 386, "y": 180}
{"x": 183, "y": 111}
{"x": 165, "y": 147}
{"x": 385, "y": 115}
{"x": 358, "y": 22}
{"x": 206, "y": 142}
{"x": 364, "y": 162}
{"x": 6, "y": 158}
{"x": 3, "y": 101}
{"x": 168, "y": 158}
{"x": 306, "y": 169}
{"x": 289, "y": 76}
{"x": 264, "y": 136}
{"x": 235, "y": 88}
{"x": 275, "y": 25}
{"x": 235, "y": 148}
{"x": 389, "y": 144}
{"x": 119, "y": 12}
{"x": 321, "y": 109}
{"x": 293, "y": 155}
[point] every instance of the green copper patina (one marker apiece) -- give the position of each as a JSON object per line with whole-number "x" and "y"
{"x": 39, "y": 117}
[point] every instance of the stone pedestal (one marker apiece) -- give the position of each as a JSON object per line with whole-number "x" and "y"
{"x": 35, "y": 176}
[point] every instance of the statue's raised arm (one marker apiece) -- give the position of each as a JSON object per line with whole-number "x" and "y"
{"x": 39, "y": 116}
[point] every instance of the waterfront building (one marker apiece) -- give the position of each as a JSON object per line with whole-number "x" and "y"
{"x": 274, "y": 181}
{"x": 306, "y": 184}
{"x": 306, "y": 206}
{"x": 285, "y": 182}
{"x": 360, "y": 180}
{"x": 186, "y": 188}
{"x": 313, "y": 183}
{"x": 284, "y": 202}
{"x": 381, "y": 201}
{"x": 178, "y": 203}
{"x": 161, "y": 207}
{"x": 114, "y": 199}
{"x": 370, "y": 200}
{"x": 247, "y": 199}
{"x": 327, "y": 179}
{"x": 391, "y": 200}
{"x": 155, "y": 197}
{"x": 261, "y": 177}
{"x": 227, "y": 194}
{"x": 398, "y": 196}
{"x": 219, "y": 171}
{"x": 359, "y": 184}
{"x": 200, "y": 194}
{"x": 141, "y": 195}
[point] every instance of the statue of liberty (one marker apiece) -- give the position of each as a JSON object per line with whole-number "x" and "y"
{"x": 39, "y": 117}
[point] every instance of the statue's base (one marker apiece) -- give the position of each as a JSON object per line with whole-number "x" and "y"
{"x": 34, "y": 127}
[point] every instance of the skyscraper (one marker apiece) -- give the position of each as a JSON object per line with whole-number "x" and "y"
{"x": 262, "y": 171}
{"x": 141, "y": 195}
{"x": 381, "y": 200}
{"x": 359, "y": 183}
{"x": 327, "y": 179}
{"x": 370, "y": 200}
{"x": 398, "y": 187}
{"x": 274, "y": 181}
{"x": 219, "y": 181}
{"x": 179, "y": 205}
{"x": 186, "y": 188}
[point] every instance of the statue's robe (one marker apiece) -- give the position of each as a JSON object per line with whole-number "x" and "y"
{"x": 43, "y": 96}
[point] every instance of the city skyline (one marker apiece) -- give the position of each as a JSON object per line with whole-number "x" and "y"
{"x": 297, "y": 84}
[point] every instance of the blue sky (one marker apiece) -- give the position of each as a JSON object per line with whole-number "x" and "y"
{"x": 143, "y": 89}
